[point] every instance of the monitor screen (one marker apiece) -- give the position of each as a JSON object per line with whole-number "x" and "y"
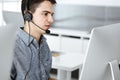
{"x": 104, "y": 47}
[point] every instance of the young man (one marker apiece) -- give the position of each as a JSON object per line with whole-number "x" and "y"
{"x": 32, "y": 58}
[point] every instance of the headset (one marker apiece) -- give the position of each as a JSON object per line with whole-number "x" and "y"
{"x": 28, "y": 17}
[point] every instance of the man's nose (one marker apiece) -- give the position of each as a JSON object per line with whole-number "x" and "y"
{"x": 50, "y": 19}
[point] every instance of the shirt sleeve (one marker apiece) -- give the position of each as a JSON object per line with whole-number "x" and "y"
{"x": 13, "y": 72}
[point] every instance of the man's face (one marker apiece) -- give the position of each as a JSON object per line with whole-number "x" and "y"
{"x": 43, "y": 15}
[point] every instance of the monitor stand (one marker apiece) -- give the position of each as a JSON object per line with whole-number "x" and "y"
{"x": 115, "y": 71}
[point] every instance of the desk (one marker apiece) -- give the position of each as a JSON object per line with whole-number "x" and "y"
{"x": 66, "y": 63}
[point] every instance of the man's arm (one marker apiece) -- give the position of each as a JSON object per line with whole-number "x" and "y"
{"x": 13, "y": 72}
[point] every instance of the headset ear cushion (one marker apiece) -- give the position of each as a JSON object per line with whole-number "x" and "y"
{"x": 28, "y": 16}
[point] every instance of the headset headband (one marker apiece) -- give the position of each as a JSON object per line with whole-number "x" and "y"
{"x": 26, "y": 5}
{"x": 27, "y": 16}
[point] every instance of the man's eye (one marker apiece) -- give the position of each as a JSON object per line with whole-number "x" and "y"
{"x": 52, "y": 14}
{"x": 46, "y": 14}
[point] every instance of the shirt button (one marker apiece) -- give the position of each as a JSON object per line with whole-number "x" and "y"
{"x": 43, "y": 76}
{"x": 45, "y": 64}
{"x": 40, "y": 62}
{"x": 37, "y": 48}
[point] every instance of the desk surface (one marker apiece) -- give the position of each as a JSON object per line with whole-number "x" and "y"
{"x": 68, "y": 61}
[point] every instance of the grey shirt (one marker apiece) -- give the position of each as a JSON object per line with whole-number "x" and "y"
{"x": 30, "y": 59}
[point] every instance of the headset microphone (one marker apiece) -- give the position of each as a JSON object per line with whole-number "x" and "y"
{"x": 47, "y": 31}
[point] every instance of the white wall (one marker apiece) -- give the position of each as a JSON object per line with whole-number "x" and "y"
{"x": 12, "y": 6}
{"x": 9, "y": 5}
{"x": 91, "y": 2}
{"x": 1, "y": 16}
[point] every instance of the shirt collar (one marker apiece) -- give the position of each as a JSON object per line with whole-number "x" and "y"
{"x": 25, "y": 36}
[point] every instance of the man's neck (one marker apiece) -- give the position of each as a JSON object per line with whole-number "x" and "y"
{"x": 32, "y": 31}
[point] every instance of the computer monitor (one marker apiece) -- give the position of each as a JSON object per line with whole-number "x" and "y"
{"x": 103, "y": 47}
{"x": 7, "y": 38}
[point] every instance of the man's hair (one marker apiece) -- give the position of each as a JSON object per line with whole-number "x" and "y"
{"x": 32, "y": 4}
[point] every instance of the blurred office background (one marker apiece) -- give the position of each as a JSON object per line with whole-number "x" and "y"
{"x": 74, "y": 16}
